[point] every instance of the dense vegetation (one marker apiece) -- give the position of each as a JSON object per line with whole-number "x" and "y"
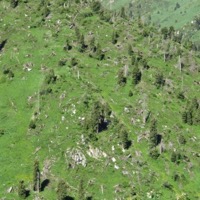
{"x": 95, "y": 105}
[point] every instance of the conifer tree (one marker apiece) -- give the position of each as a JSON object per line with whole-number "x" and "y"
{"x": 136, "y": 75}
{"x": 122, "y": 13}
{"x": 81, "y": 192}
{"x": 133, "y": 60}
{"x": 22, "y": 190}
{"x": 153, "y": 137}
{"x": 114, "y": 37}
{"x": 130, "y": 50}
{"x": 77, "y": 33}
{"x": 121, "y": 78}
{"x": 93, "y": 47}
{"x": 36, "y": 177}
{"x": 159, "y": 80}
{"x": 82, "y": 43}
{"x": 99, "y": 53}
{"x": 14, "y": 3}
{"x": 124, "y": 138}
{"x": 68, "y": 46}
{"x": 62, "y": 190}
{"x": 189, "y": 118}
{"x": 96, "y": 6}
{"x": 184, "y": 117}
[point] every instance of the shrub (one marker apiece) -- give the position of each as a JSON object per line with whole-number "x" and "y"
{"x": 32, "y": 124}
{"x": 21, "y": 190}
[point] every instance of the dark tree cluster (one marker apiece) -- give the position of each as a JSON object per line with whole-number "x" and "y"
{"x": 50, "y": 77}
{"x": 136, "y": 75}
{"x": 96, "y": 6}
{"x": 191, "y": 114}
{"x": 168, "y": 32}
{"x": 121, "y": 78}
{"x": 14, "y": 3}
{"x": 98, "y": 120}
{"x": 123, "y": 134}
{"x": 159, "y": 80}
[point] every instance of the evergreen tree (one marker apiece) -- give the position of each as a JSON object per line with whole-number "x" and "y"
{"x": 22, "y": 190}
{"x": 82, "y": 46}
{"x": 159, "y": 80}
{"x": 123, "y": 13}
{"x": 184, "y": 117}
{"x": 153, "y": 136}
{"x": 189, "y": 118}
{"x": 194, "y": 104}
{"x": 96, "y": 6}
{"x": 77, "y": 33}
{"x": 121, "y": 78}
{"x": 124, "y": 138}
{"x": 95, "y": 122}
{"x": 114, "y": 37}
{"x": 136, "y": 75}
{"x": 130, "y": 50}
{"x": 68, "y": 46}
{"x": 93, "y": 47}
{"x": 133, "y": 60}
{"x": 81, "y": 192}
{"x": 62, "y": 190}
{"x": 99, "y": 53}
{"x": 165, "y": 32}
{"x": 36, "y": 177}
{"x": 14, "y": 3}
{"x": 196, "y": 119}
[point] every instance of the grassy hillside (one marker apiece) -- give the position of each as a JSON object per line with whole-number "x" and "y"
{"x": 80, "y": 90}
{"x": 181, "y": 13}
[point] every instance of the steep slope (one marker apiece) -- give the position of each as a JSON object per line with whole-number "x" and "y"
{"x": 181, "y": 14}
{"x": 81, "y": 88}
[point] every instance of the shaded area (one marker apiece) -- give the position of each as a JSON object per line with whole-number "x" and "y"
{"x": 44, "y": 184}
{"x": 69, "y": 198}
{"x": 2, "y": 45}
{"x": 27, "y": 193}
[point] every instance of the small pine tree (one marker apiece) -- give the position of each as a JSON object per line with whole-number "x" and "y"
{"x": 77, "y": 33}
{"x": 123, "y": 13}
{"x": 14, "y": 3}
{"x": 93, "y": 47}
{"x": 121, "y": 78}
{"x": 189, "y": 118}
{"x": 194, "y": 104}
{"x": 153, "y": 136}
{"x": 114, "y": 37}
{"x": 99, "y": 53}
{"x": 136, "y": 75}
{"x": 133, "y": 60}
{"x": 62, "y": 190}
{"x": 68, "y": 46}
{"x": 36, "y": 177}
{"x": 96, "y": 6}
{"x": 82, "y": 43}
{"x": 154, "y": 153}
{"x": 184, "y": 117}
{"x": 124, "y": 138}
{"x": 81, "y": 192}
{"x": 22, "y": 190}
{"x": 196, "y": 119}
{"x": 130, "y": 50}
{"x": 159, "y": 80}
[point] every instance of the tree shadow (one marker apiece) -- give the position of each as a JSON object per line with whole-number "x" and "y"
{"x": 3, "y": 44}
{"x": 159, "y": 138}
{"x": 27, "y": 193}
{"x": 44, "y": 184}
{"x": 69, "y": 198}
